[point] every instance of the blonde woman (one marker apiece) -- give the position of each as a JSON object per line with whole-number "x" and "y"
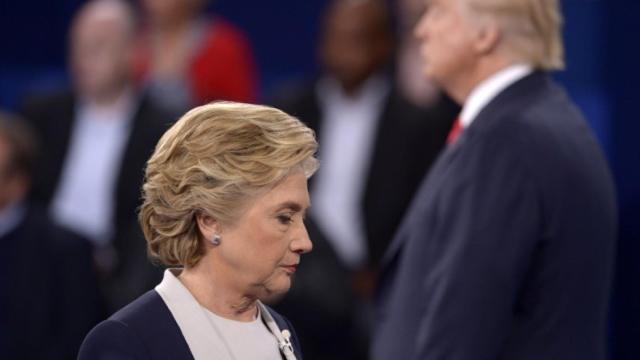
{"x": 225, "y": 196}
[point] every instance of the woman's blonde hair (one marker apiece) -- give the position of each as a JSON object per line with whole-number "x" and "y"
{"x": 532, "y": 29}
{"x": 211, "y": 162}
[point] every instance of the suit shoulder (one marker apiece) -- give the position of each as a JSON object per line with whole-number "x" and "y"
{"x": 111, "y": 339}
{"x": 34, "y": 103}
{"x": 547, "y": 119}
{"x": 154, "y": 116}
{"x": 146, "y": 308}
{"x": 149, "y": 318}
{"x": 296, "y": 98}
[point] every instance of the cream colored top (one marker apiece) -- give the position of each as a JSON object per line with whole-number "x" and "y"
{"x": 247, "y": 340}
{"x": 205, "y": 339}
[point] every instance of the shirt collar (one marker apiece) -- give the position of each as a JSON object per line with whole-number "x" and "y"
{"x": 489, "y": 88}
{"x": 122, "y": 108}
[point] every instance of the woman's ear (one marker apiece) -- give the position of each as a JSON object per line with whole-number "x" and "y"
{"x": 207, "y": 225}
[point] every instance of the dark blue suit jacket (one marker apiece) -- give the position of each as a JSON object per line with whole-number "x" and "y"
{"x": 145, "y": 329}
{"x": 49, "y": 297}
{"x": 506, "y": 252}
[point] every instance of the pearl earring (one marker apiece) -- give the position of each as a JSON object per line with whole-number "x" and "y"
{"x": 215, "y": 240}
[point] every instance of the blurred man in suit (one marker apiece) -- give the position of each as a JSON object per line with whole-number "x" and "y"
{"x": 375, "y": 148}
{"x": 506, "y": 252}
{"x": 95, "y": 141}
{"x": 49, "y": 297}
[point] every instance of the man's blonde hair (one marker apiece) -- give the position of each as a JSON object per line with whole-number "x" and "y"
{"x": 212, "y": 161}
{"x": 532, "y": 29}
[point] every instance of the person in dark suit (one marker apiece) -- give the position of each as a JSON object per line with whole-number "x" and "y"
{"x": 506, "y": 251}
{"x": 376, "y": 147}
{"x": 95, "y": 140}
{"x": 49, "y": 295}
{"x": 225, "y": 196}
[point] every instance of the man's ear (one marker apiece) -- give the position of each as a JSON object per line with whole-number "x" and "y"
{"x": 487, "y": 37}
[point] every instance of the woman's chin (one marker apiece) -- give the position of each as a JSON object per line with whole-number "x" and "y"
{"x": 274, "y": 292}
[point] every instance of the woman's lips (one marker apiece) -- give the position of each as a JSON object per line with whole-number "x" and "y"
{"x": 290, "y": 268}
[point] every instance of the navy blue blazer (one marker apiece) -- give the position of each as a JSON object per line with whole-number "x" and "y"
{"x": 507, "y": 250}
{"x": 145, "y": 329}
{"x": 49, "y": 296}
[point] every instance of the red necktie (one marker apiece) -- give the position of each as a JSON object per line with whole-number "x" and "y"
{"x": 455, "y": 131}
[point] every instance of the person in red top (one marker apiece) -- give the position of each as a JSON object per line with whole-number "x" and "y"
{"x": 187, "y": 59}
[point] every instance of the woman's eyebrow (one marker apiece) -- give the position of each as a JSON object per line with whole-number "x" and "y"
{"x": 290, "y": 205}
{"x": 293, "y": 206}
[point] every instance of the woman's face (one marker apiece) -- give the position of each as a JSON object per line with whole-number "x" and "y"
{"x": 261, "y": 251}
{"x": 167, "y": 12}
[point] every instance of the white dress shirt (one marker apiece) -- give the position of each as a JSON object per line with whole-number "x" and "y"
{"x": 488, "y": 89}
{"x": 85, "y": 198}
{"x": 347, "y": 137}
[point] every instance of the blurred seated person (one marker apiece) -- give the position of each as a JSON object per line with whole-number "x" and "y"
{"x": 49, "y": 295}
{"x": 225, "y": 196}
{"x": 95, "y": 139}
{"x": 375, "y": 148}
{"x": 187, "y": 58}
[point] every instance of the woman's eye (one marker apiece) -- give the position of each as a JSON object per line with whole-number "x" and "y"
{"x": 285, "y": 219}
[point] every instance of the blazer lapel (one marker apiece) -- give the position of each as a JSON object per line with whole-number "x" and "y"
{"x": 196, "y": 328}
{"x": 429, "y": 184}
{"x": 283, "y": 336}
{"x": 191, "y": 319}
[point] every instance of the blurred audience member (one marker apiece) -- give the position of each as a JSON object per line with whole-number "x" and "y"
{"x": 375, "y": 149}
{"x": 49, "y": 297}
{"x": 188, "y": 59}
{"x": 95, "y": 141}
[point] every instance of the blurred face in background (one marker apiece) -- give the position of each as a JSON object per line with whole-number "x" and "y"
{"x": 5, "y": 175}
{"x": 13, "y": 184}
{"x": 171, "y": 12}
{"x": 356, "y": 41}
{"x": 101, "y": 49}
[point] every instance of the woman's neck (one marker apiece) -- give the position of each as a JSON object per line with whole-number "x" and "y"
{"x": 217, "y": 295}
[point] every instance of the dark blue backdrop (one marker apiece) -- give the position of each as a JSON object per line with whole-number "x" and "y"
{"x": 602, "y": 58}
